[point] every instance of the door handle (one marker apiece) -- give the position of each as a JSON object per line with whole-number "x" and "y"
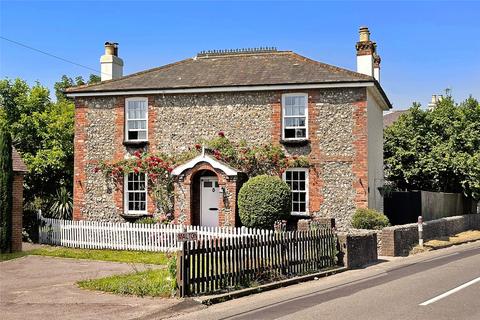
{"x": 212, "y": 209}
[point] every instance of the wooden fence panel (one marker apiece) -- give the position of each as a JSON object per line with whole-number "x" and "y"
{"x": 228, "y": 262}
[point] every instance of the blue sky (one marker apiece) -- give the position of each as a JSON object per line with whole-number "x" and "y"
{"x": 425, "y": 46}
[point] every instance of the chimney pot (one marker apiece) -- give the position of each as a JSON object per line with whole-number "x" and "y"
{"x": 364, "y": 34}
{"x": 111, "y": 49}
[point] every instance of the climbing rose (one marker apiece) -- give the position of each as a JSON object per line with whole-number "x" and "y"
{"x": 221, "y": 134}
{"x": 198, "y": 147}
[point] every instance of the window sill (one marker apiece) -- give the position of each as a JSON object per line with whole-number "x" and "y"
{"x": 135, "y": 143}
{"x": 135, "y": 215}
{"x": 295, "y": 142}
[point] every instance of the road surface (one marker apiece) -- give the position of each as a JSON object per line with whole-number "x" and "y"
{"x": 443, "y": 284}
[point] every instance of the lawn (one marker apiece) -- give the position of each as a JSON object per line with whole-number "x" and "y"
{"x": 153, "y": 283}
{"x": 142, "y": 257}
{"x": 14, "y": 255}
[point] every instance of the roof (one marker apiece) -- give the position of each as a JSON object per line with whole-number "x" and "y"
{"x": 17, "y": 162}
{"x": 231, "y": 68}
{"x": 390, "y": 118}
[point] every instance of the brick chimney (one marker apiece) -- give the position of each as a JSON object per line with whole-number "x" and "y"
{"x": 368, "y": 61}
{"x": 111, "y": 65}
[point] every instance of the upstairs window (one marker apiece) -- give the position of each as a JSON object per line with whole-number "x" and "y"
{"x": 297, "y": 179}
{"x": 136, "y": 193}
{"x": 136, "y": 111}
{"x": 295, "y": 116}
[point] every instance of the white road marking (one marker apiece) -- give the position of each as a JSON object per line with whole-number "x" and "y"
{"x": 446, "y": 294}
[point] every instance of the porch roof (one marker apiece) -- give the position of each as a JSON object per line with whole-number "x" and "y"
{"x": 229, "y": 171}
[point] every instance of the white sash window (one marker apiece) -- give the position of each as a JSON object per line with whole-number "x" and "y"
{"x": 297, "y": 179}
{"x": 136, "y": 119}
{"x": 295, "y": 116}
{"x": 135, "y": 193}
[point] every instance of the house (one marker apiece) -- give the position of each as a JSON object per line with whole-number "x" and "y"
{"x": 329, "y": 114}
{"x": 389, "y": 118}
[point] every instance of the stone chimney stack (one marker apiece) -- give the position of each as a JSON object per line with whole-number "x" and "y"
{"x": 368, "y": 61}
{"x": 111, "y": 65}
{"x": 435, "y": 100}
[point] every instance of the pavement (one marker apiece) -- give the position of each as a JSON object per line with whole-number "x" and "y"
{"x": 37, "y": 287}
{"x": 393, "y": 289}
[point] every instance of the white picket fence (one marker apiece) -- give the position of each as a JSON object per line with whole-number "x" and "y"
{"x": 127, "y": 236}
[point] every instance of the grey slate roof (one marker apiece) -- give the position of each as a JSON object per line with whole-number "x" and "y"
{"x": 221, "y": 70}
{"x": 391, "y": 117}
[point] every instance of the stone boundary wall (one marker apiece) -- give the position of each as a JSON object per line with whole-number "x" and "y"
{"x": 357, "y": 249}
{"x": 397, "y": 240}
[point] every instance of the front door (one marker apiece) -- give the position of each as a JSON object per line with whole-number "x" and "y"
{"x": 209, "y": 199}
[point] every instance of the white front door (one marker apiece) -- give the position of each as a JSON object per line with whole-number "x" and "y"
{"x": 209, "y": 199}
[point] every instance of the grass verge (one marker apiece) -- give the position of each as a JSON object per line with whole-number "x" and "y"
{"x": 462, "y": 237}
{"x": 153, "y": 283}
{"x": 90, "y": 254}
{"x": 13, "y": 255}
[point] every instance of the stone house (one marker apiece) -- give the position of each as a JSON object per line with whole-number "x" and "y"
{"x": 329, "y": 114}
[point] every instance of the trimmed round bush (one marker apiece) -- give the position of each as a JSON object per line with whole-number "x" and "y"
{"x": 369, "y": 219}
{"x": 262, "y": 200}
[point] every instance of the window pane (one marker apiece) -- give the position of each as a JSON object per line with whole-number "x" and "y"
{"x": 295, "y": 207}
{"x": 295, "y": 196}
{"x": 302, "y": 196}
{"x": 300, "y": 133}
{"x": 132, "y": 135}
{"x": 142, "y": 135}
{"x": 288, "y": 175}
{"x": 301, "y": 175}
{"x": 302, "y": 185}
{"x": 289, "y": 133}
{"x": 303, "y": 207}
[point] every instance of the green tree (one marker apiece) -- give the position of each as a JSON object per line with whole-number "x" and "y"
{"x": 42, "y": 132}
{"x": 67, "y": 82}
{"x": 436, "y": 150}
{"x": 6, "y": 184}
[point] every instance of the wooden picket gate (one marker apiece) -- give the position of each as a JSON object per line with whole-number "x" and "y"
{"x": 212, "y": 265}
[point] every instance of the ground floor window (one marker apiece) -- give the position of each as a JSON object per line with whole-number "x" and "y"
{"x": 297, "y": 179}
{"x": 135, "y": 193}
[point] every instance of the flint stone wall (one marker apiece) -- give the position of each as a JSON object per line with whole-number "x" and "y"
{"x": 177, "y": 121}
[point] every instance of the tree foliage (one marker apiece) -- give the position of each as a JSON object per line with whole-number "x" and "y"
{"x": 42, "y": 131}
{"x": 6, "y": 185}
{"x": 436, "y": 150}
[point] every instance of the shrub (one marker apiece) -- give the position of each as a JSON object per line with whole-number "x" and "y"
{"x": 262, "y": 200}
{"x": 369, "y": 219}
{"x": 147, "y": 220}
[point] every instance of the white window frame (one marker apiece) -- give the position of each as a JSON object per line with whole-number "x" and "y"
{"x": 284, "y": 115}
{"x": 126, "y": 211}
{"x": 307, "y": 190}
{"x": 127, "y": 100}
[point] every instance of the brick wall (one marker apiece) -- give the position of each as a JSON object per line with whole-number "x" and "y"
{"x": 398, "y": 240}
{"x": 357, "y": 249}
{"x": 17, "y": 212}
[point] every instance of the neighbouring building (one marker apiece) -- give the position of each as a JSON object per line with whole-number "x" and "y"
{"x": 391, "y": 117}
{"x": 331, "y": 115}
